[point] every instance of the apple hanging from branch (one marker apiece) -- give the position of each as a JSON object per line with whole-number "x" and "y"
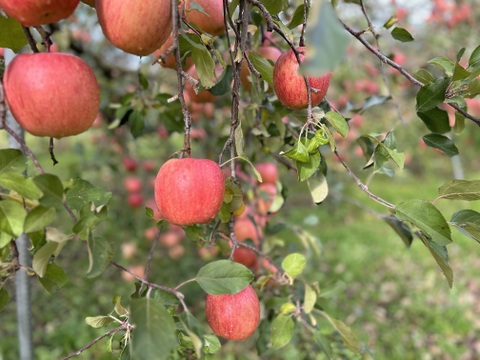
{"x": 38, "y": 12}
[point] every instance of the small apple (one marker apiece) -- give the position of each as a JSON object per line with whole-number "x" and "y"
{"x": 268, "y": 172}
{"x": 135, "y": 200}
{"x": 130, "y": 164}
{"x": 189, "y": 191}
{"x": 129, "y": 249}
{"x": 135, "y": 27}
{"x": 246, "y": 257}
{"x": 133, "y": 184}
{"x": 290, "y": 86}
{"x": 210, "y": 20}
{"x": 150, "y": 233}
{"x": 38, "y": 12}
{"x": 176, "y": 252}
{"x": 233, "y": 316}
{"x": 170, "y": 239}
{"x": 245, "y": 229}
{"x": 52, "y": 94}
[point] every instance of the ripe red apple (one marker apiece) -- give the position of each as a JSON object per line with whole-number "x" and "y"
{"x": 233, "y": 316}
{"x": 133, "y": 184}
{"x": 266, "y": 194}
{"x": 268, "y": 171}
{"x": 130, "y": 164}
{"x": 269, "y": 53}
{"x": 246, "y": 257}
{"x": 210, "y": 20}
{"x": 170, "y": 60}
{"x": 135, "y": 200}
{"x": 136, "y": 27}
{"x": 52, "y": 94}
{"x": 290, "y": 86}
{"x": 38, "y": 12}
{"x": 189, "y": 191}
{"x": 2, "y": 52}
{"x": 245, "y": 229}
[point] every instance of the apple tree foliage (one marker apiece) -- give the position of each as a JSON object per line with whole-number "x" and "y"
{"x": 155, "y": 321}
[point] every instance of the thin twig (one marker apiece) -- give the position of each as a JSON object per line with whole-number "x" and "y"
{"x": 124, "y": 326}
{"x": 150, "y": 256}
{"x": 30, "y": 39}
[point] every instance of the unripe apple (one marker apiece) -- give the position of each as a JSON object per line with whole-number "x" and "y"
{"x": 269, "y": 53}
{"x": 233, "y": 316}
{"x": 209, "y": 20}
{"x": 136, "y": 27}
{"x": 38, "y": 12}
{"x": 52, "y": 94}
{"x": 189, "y": 191}
{"x": 290, "y": 86}
{"x": 268, "y": 171}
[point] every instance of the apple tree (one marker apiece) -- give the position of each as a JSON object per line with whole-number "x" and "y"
{"x": 228, "y": 99}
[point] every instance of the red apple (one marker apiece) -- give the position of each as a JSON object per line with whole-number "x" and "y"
{"x": 176, "y": 252}
{"x": 290, "y": 86}
{"x": 133, "y": 184}
{"x": 246, "y": 257}
{"x": 170, "y": 60}
{"x": 233, "y": 316}
{"x": 269, "y": 53}
{"x": 268, "y": 171}
{"x": 38, "y": 12}
{"x": 189, "y": 191}
{"x": 209, "y": 20}
{"x": 170, "y": 239}
{"x": 136, "y": 27}
{"x": 135, "y": 200}
{"x": 130, "y": 164}
{"x": 266, "y": 194}
{"x": 52, "y": 94}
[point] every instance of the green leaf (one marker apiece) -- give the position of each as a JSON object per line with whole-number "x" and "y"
{"x": 424, "y": 76}
{"x": 299, "y": 153}
{"x": 371, "y": 101}
{"x": 100, "y": 252}
{"x": 4, "y": 299}
{"x": 402, "y": 34}
{"x": 459, "y": 122}
{"x": 318, "y": 140}
{"x": 474, "y": 59}
{"x": 212, "y": 344}
{"x": 154, "y": 336}
{"x": 425, "y": 216}
{"x": 194, "y": 331}
{"x": 136, "y": 122}
{"x": 223, "y": 277}
{"x": 345, "y": 332}
{"x": 309, "y": 299}
{"x": 239, "y": 141}
{"x": 327, "y": 40}
{"x": 318, "y": 187}
{"x": 275, "y": 6}
{"x": 459, "y": 73}
{"x": 81, "y": 192}
{"x": 468, "y": 223}
{"x": 12, "y": 35}
{"x": 224, "y": 83}
{"x": 297, "y": 18}
{"x": 21, "y": 185}
{"x": 436, "y": 120}
{"x": 294, "y": 264}
{"x": 324, "y": 344}
{"x": 281, "y": 331}
{"x": 39, "y": 218}
{"x": 338, "y": 122}
{"x": 443, "y": 63}
{"x": 52, "y": 189}
{"x": 401, "y": 228}
{"x": 255, "y": 171}
{"x": 205, "y": 66}
{"x": 467, "y": 190}
{"x": 262, "y": 65}
{"x": 98, "y": 321}
{"x": 440, "y": 254}
{"x": 432, "y": 94}
{"x": 143, "y": 81}
{"x": 306, "y": 169}
{"x": 119, "y": 309}
{"x": 42, "y": 257}
{"x": 54, "y": 278}
{"x": 441, "y": 142}
{"x": 12, "y": 217}
{"x": 12, "y": 161}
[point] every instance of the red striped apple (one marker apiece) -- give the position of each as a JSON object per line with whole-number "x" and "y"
{"x": 38, "y": 12}
{"x": 136, "y": 27}
{"x": 233, "y": 316}
{"x": 189, "y": 191}
{"x": 52, "y": 94}
{"x": 290, "y": 86}
{"x": 209, "y": 20}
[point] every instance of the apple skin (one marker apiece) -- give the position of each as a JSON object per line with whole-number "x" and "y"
{"x": 233, "y": 316}
{"x": 135, "y": 27}
{"x": 290, "y": 86}
{"x": 245, "y": 229}
{"x": 133, "y": 184}
{"x": 268, "y": 172}
{"x": 52, "y": 94}
{"x": 268, "y": 52}
{"x": 266, "y": 195}
{"x": 38, "y": 12}
{"x": 212, "y": 23}
{"x": 189, "y": 191}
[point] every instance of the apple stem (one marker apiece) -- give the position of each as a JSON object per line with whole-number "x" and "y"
{"x": 304, "y": 25}
{"x": 30, "y": 39}
{"x": 51, "y": 148}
